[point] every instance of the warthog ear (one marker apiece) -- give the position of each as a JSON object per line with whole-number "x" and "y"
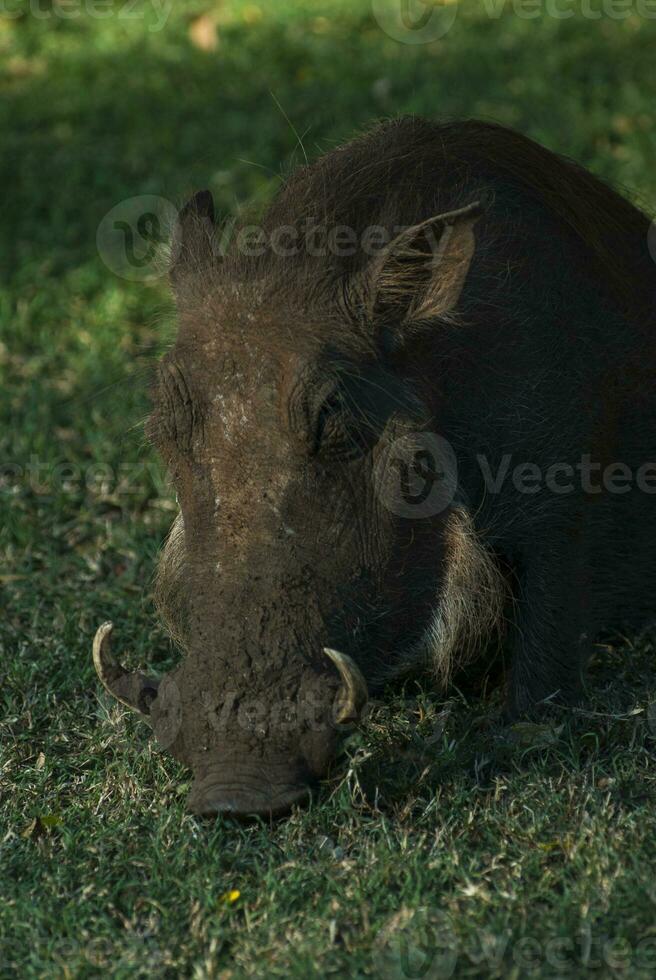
{"x": 420, "y": 274}
{"x": 194, "y": 247}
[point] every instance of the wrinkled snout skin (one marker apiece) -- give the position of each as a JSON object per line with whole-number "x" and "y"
{"x": 283, "y": 547}
{"x": 250, "y": 756}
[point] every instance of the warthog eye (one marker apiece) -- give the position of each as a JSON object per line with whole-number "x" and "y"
{"x": 339, "y": 428}
{"x": 340, "y": 411}
{"x": 327, "y": 418}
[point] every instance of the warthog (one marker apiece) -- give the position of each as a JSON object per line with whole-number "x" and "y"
{"x": 411, "y": 412}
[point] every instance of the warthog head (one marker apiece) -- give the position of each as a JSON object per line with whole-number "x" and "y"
{"x": 293, "y": 414}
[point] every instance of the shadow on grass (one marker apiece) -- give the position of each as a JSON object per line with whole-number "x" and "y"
{"x": 419, "y": 748}
{"x": 89, "y": 124}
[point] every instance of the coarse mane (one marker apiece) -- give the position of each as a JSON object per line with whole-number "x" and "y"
{"x": 405, "y": 170}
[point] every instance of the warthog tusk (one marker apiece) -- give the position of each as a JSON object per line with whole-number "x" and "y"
{"x": 354, "y": 693}
{"x": 131, "y": 688}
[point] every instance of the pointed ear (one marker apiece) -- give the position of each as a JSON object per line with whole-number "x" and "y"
{"x": 193, "y": 244}
{"x": 420, "y": 274}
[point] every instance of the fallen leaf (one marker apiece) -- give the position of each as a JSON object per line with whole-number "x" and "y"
{"x": 50, "y": 820}
{"x": 41, "y": 825}
{"x": 528, "y": 733}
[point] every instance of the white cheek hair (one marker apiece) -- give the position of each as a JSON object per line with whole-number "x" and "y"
{"x": 469, "y": 609}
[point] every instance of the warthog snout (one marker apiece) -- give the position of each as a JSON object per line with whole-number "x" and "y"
{"x": 249, "y": 757}
{"x": 245, "y": 788}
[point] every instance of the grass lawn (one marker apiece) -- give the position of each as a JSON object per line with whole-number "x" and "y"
{"x": 442, "y": 845}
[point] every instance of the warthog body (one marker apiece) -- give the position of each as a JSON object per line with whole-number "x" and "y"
{"x": 399, "y": 420}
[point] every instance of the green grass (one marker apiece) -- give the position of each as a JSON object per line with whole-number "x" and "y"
{"x": 496, "y": 853}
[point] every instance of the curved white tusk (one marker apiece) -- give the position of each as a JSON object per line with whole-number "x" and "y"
{"x": 107, "y": 667}
{"x": 354, "y": 693}
{"x": 132, "y": 689}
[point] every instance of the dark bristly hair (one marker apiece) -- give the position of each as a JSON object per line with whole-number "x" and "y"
{"x": 403, "y": 170}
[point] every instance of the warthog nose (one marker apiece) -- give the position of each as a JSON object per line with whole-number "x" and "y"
{"x": 244, "y": 803}
{"x": 240, "y": 800}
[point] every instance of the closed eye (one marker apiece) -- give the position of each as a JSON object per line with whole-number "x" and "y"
{"x": 340, "y": 428}
{"x": 326, "y": 418}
